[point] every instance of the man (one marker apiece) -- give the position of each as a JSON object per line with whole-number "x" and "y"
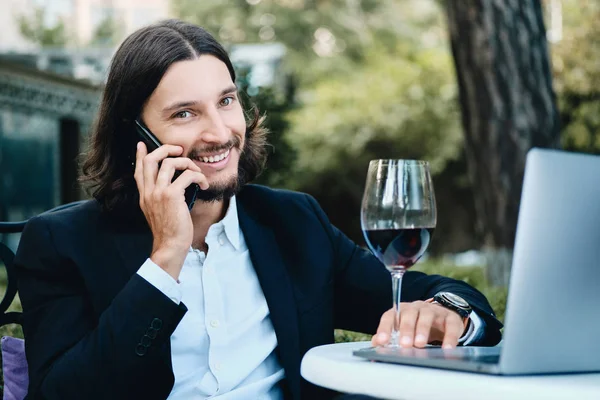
{"x": 133, "y": 295}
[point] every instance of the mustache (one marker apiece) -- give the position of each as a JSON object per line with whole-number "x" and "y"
{"x": 234, "y": 142}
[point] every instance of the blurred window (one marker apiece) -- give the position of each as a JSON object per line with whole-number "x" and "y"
{"x": 29, "y": 163}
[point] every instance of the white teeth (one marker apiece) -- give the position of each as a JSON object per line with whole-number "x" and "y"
{"x": 217, "y": 158}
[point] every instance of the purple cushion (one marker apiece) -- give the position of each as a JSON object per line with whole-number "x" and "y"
{"x": 14, "y": 367}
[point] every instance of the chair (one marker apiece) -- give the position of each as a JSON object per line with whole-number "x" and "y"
{"x": 14, "y": 363}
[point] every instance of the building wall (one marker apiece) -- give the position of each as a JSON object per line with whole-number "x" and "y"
{"x": 42, "y": 116}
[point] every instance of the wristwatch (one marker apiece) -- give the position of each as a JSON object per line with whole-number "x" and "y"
{"x": 454, "y": 303}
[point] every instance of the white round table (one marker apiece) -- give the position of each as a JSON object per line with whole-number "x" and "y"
{"x": 334, "y": 367}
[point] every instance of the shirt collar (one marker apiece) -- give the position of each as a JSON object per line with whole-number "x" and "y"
{"x": 231, "y": 224}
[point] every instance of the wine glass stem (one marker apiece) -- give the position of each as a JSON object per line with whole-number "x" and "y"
{"x": 396, "y": 291}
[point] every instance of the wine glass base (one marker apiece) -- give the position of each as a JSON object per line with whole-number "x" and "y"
{"x": 393, "y": 343}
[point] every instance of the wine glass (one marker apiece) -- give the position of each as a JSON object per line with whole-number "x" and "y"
{"x": 398, "y": 216}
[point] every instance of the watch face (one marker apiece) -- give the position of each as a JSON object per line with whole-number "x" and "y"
{"x": 457, "y": 300}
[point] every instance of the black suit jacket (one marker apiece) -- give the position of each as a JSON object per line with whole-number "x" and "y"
{"x": 86, "y": 310}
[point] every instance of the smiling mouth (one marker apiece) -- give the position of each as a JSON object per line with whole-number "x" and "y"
{"x": 215, "y": 158}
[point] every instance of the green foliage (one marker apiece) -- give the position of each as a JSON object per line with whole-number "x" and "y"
{"x": 341, "y": 336}
{"x": 292, "y": 22}
{"x": 322, "y": 37}
{"x": 35, "y": 29}
{"x": 108, "y": 32}
{"x": 576, "y": 64}
{"x": 274, "y": 107}
{"x": 397, "y": 103}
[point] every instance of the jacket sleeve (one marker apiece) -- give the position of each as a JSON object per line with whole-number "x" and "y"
{"x": 73, "y": 354}
{"x": 363, "y": 288}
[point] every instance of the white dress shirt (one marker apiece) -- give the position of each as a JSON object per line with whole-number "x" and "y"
{"x": 225, "y": 344}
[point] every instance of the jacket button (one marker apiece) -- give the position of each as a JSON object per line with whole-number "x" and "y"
{"x": 157, "y": 323}
{"x": 140, "y": 350}
{"x": 146, "y": 341}
{"x": 151, "y": 333}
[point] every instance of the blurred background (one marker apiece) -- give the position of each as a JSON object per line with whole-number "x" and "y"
{"x": 468, "y": 85}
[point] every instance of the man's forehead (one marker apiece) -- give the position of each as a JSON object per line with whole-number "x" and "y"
{"x": 202, "y": 78}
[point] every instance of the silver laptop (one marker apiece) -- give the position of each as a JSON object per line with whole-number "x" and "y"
{"x": 552, "y": 322}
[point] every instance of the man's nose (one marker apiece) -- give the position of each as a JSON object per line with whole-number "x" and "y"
{"x": 215, "y": 129}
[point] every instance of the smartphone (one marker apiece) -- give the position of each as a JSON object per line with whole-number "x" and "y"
{"x": 152, "y": 143}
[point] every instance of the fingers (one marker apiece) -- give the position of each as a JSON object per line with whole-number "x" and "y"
{"x": 157, "y": 182}
{"x": 424, "y": 325}
{"x": 420, "y": 323}
{"x": 384, "y": 329}
{"x": 139, "y": 169}
{"x": 168, "y": 167}
{"x": 150, "y": 163}
{"x": 408, "y": 322}
{"x": 453, "y": 329}
{"x": 187, "y": 178}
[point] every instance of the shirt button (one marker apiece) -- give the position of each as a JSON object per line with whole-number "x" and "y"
{"x": 218, "y": 366}
{"x": 214, "y": 323}
{"x": 221, "y": 240}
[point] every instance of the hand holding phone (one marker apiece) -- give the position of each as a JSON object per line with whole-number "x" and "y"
{"x": 161, "y": 184}
{"x": 152, "y": 143}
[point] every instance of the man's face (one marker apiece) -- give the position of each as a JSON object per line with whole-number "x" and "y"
{"x": 196, "y": 106}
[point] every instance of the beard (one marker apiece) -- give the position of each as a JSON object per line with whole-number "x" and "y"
{"x": 221, "y": 190}
{"x": 230, "y": 186}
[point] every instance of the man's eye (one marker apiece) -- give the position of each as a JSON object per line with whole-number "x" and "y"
{"x": 182, "y": 114}
{"x": 226, "y": 101}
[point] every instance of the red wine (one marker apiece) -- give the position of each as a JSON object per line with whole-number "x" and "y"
{"x": 399, "y": 248}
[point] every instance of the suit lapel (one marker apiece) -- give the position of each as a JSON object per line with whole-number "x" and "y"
{"x": 275, "y": 282}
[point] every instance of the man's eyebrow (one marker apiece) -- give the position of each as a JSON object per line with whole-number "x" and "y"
{"x": 180, "y": 104}
{"x": 183, "y": 104}
{"x": 229, "y": 90}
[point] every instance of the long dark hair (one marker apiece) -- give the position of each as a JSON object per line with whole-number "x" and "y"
{"x": 136, "y": 70}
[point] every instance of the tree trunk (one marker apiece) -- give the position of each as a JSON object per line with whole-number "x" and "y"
{"x": 508, "y": 106}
